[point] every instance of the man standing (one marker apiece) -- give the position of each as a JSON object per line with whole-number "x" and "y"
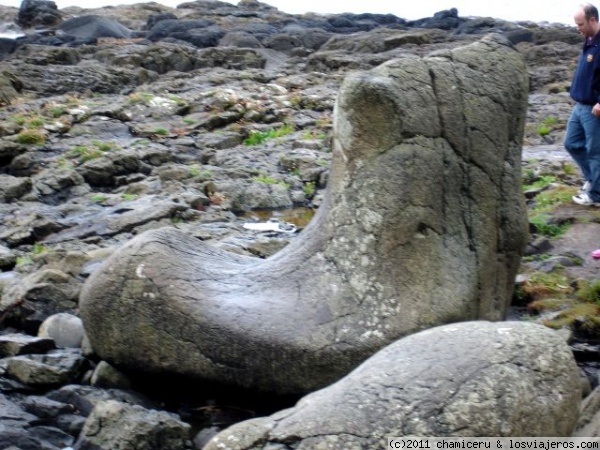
{"x": 582, "y": 139}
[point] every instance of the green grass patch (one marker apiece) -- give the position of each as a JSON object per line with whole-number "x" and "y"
{"x": 56, "y": 111}
{"x": 542, "y": 285}
{"x": 549, "y": 124}
{"x": 553, "y": 197}
{"x": 266, "y": 179}
{"x": 94, "y": 150}
{"x": 161, "y": 131}
{"x": 270, "y": 180}
{"x": 539, "y": 182}
{"x": 543, "y": 226}
{"x": 23, "y": 260}
{"x": 141, "y": 97}
{"x": 258, "y": 137}
{"x": 586, "y": 315}
{"x": 98, "y": 198}
{"x": 569, "y": 168}
{"x": 83, "y": 153}
{"x": 39, "y": 248}
{"x": 589, "y": 292}
{"x": 545, "y": 203}
{"x": 544, "y": 130}
{"x": 309, "y": 188}
{"x": 31, "y": 137}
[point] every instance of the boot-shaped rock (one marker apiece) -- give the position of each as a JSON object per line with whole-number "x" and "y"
{"x": 423, "y": 223}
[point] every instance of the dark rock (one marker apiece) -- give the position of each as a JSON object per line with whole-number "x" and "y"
{"x": 561, "y": 34}
{"x": 8, "y": 260}
{"x": 155, "y": 18}
{"x": 106, "y": 376}
{"x": 103, "y": 171}
{"x": 89, "y": 28}
{"x": 201, "y": 38}
{"x": 521, "y": 35}
{"x": 373, "y": 42}
{"x": 118, "y": 220}
{"x": 31, "y": 54}
{"x": 54, "y": 187}
{"x": 485, "y": 25}
{"x": 113, "y": 424}
{"x": 60, "y": 79}
{"x": 11, "y": 188}
{"x": 259, "y": 30}
{"x": 33, "y": 13}
{"x": 50, "y": 437}
{"x": 32, "y": 299}
{"x": 46, "y": 408}
{"x": 443, "y": 20}
{"x": 352, "y": 23}
{"x": 239, "y": 39}
{"x": 13, "y": 416}
{"x": 13, "y": 387}
{"x": 85, "y": 398}
{"x": 399, "y": 40}
{"x": 56, "y": 368}
{"x": 292, "y": 38}
{"x": 229, "y": 58}
{"x": 210, "y": 5}
{"x": 7, "y": 46}
{"x": 20, "y": 439}
{"x": 46, "y": 40}
{"x": 21, "y": 344}
{"x": 550, "y": 264}
{"x": 166, "y": 28}
{"x": 10, "y": 149}
{"x": 160, "y": 57}
{"x": 10, "y": 87}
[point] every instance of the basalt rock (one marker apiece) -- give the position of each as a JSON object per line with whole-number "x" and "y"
{"x": 34, "y": 13}
{"x": 423, "y": 223}
{"x": 10, "y": 86}
{"x": 114, "y": 424}
{"x": 491, "y": 379}
{"x": 89, "y": 28}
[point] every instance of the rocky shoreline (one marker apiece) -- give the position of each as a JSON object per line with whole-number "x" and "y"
{"x": 208, "y": 117}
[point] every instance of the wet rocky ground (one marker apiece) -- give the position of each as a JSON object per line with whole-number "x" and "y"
{"x": 103, "y": 140}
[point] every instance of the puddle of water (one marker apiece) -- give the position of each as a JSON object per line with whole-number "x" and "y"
{"x": 299, "y": 216}
{"x": 545, "y": 153}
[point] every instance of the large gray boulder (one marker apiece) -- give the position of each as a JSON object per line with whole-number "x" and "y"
{"x": 467, "y": 379}
{"x": 423, "y": 223}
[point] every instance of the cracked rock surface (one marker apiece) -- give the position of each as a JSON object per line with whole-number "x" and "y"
{"x": 468, "y": 379}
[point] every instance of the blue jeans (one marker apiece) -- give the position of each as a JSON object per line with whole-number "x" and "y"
{"x": 582, "y": 141}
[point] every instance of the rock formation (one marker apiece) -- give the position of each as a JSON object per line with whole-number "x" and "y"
{"x": 423, "y": 224}
{"x": 34, "y": 13}
{"x": 146, "y": 428}
{"x": 489, "y": 379}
